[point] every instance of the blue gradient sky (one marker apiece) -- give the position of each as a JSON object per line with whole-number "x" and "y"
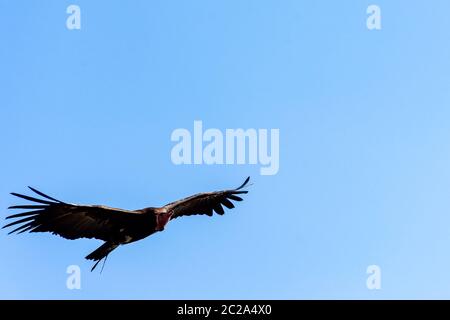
{"x": 364, "y": 177}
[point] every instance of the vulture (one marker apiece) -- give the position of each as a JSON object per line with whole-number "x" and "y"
{"x": 114, "y": 226}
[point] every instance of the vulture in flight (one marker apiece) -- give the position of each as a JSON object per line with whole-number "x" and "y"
{"x": 114, "y": 226}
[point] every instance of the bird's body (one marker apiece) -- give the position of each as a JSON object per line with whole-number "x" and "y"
{"x": 114, "y": 226}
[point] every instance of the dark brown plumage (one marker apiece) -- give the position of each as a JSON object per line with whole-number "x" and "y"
{"x": 114, "y": 226}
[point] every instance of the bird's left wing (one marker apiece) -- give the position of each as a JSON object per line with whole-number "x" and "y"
{"x": 70, "y": 221}
{"x": 206, "y": 203}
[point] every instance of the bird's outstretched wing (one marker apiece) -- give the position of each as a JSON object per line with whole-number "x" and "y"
{"x": 70, "y": 221}
{"x": 206, "y": 203}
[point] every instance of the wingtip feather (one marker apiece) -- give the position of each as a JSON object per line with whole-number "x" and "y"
{"x": 244, "y": 184}
{"x": 44, "y": 195}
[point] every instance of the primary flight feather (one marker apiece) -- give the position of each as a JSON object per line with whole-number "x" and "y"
{"x": 114, "y": 226}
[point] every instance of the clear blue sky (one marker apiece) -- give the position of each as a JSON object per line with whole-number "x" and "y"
{"x": 86, "y": 116}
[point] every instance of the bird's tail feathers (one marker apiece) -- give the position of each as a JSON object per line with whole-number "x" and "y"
{"x": 100, "y": 253}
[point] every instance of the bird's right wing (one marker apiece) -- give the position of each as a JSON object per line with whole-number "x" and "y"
{"x": 206, "y": 203}
{"x": 70, "y": 221}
